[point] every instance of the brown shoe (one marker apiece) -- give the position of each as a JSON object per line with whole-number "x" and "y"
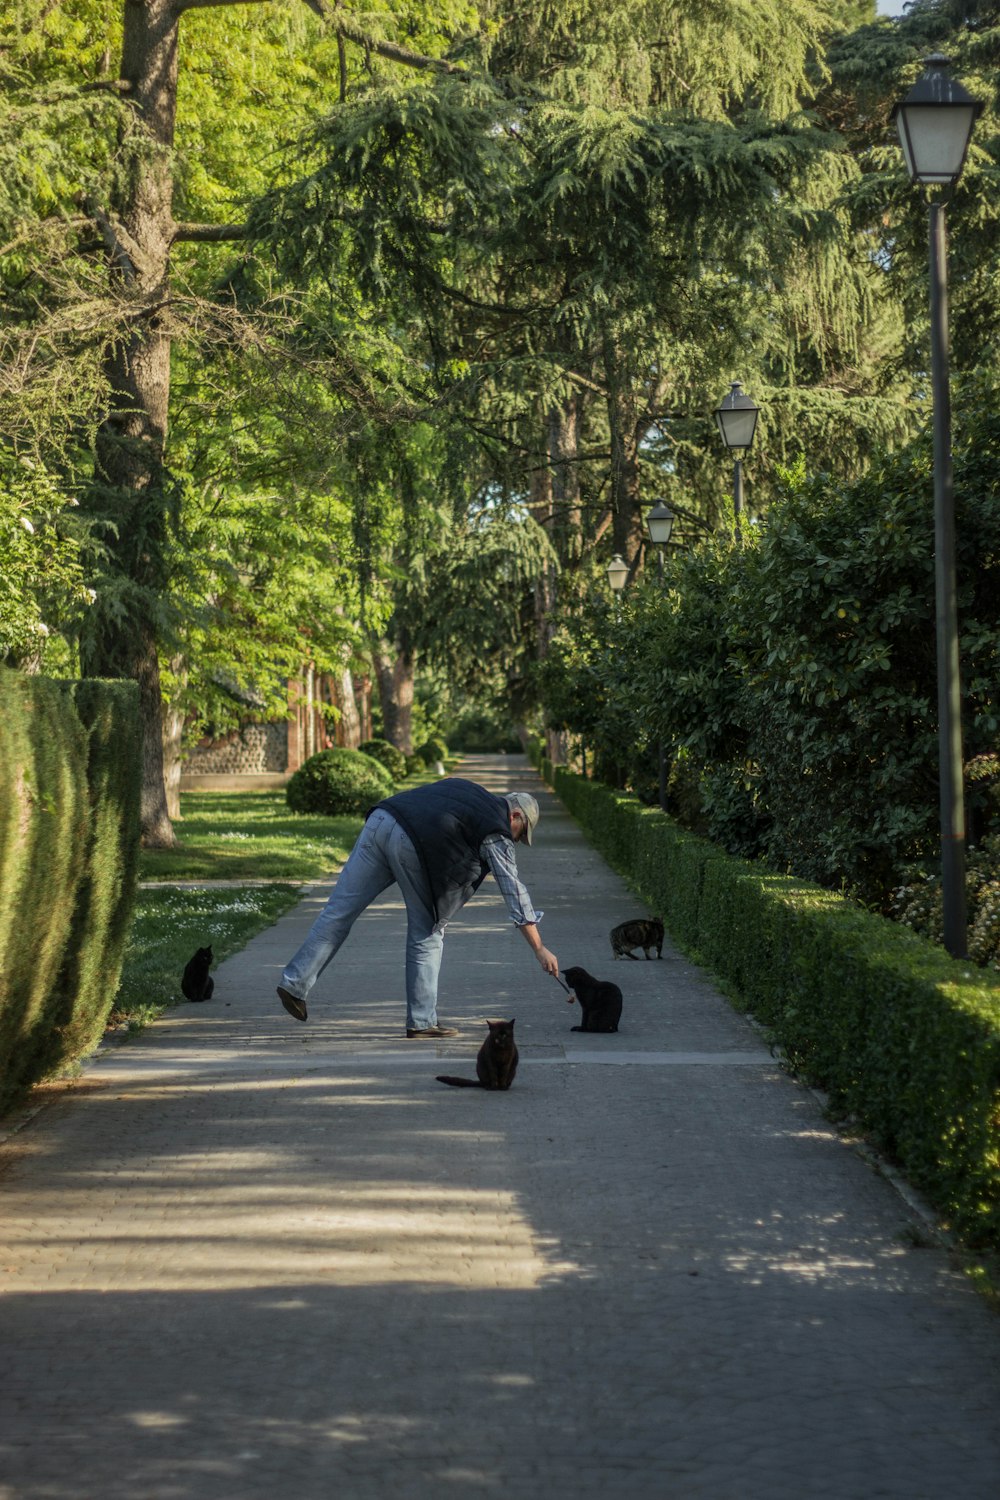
{"x": 433, "y": 1031}
{"x": 294, "y": 1006}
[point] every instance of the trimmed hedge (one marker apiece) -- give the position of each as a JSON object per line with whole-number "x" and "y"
{"x": 338, "y": 782}
{"x": 904, "y": 1038}
{"x": 387, "y": 755}
{"x": 70, "y": 775}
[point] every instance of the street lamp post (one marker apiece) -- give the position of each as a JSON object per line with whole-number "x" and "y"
{"x": 617, "y": 571}
{"x": 659, "y": 524}
{"x": 935, "y": 123}
{"x": 736, "y": 415}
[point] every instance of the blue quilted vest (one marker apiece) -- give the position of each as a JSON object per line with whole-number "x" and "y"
{"x": 446, "y": 822}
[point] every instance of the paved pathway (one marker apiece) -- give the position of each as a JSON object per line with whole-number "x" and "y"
{"x": 246, "y": 1258}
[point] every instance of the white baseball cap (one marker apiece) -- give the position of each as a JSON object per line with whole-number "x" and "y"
{"x": 525, "y": 804}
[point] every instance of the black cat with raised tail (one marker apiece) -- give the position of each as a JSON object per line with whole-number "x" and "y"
{"x": 496, "y": 1060}
{"x": 196, "y": 982}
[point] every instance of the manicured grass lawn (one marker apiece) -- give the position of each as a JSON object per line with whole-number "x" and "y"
{"x": 250, "y": 836}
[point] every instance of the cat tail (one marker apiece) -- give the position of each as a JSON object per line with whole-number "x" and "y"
{"x": 460, "y": 1083}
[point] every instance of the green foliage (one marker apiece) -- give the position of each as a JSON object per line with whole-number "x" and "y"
{"x": 252, "y": 573}
{"x": 433, "y": 749}
{"x": 480, "y": 733}
{"x": 795, "y": 673}
{"x": 337, "y": 782}
{"x": 69, "y": 837}
{"x": 600, "y": 651}
{"x": 387, "y": 755}
{"x": 42, "y": 585}
{"x": 905, "y": 1039}
{"x": 918, "y": 903}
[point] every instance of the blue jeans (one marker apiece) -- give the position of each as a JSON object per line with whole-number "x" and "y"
{"x": 382, "y": 856}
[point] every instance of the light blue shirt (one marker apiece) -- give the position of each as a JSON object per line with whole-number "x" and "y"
{"x": 498, "y": 853}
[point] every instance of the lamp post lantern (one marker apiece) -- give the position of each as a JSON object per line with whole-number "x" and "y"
{"x": 659, "y": 524}
{"x": 736, "y": 416}
{"x": 935, "y": 123}
{"x": 617, "y": 571}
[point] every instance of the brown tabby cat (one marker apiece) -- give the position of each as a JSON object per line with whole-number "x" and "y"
{"x": 496, "y": 1061}
{"x": 642, "y": 932}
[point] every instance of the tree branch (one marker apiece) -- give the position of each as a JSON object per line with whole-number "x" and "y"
{"x": 107, "y": 85}
{"x": 209, "y": 233}
{"x": 343, "y": 28}
{"x": 122, "y": 249}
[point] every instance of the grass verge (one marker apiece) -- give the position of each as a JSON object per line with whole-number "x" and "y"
{"x": 250, "y": 836}
{"x": 167, "y": 928}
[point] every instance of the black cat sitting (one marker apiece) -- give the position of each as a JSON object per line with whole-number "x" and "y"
{"x": 496, "y": 1060}
{"x": 600, "y": 1000}
{"x": 196, "y": 982}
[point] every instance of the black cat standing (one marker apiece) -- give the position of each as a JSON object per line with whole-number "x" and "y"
{"x": 196, "y": 982}
{"x": 496, "y": 1060}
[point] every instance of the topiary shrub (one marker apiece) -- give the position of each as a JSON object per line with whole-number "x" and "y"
{"x": 433, "y": 749}
{"x": 387, "y": 755}
{"x": 337, "y": 782}
{"x": 415, "y": 764}
{"x": 70, "y": 759}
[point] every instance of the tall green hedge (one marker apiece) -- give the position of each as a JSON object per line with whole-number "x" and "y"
{"x": 70, "y": 772}
{"x": 905, "y": 1038}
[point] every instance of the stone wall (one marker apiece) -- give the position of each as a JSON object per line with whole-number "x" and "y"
{"x": 256, "y": 749}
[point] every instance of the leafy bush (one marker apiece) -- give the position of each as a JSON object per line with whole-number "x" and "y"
{"x": 433, "y": 749}
{"x": 337, "y": 782}
{"x": 387, "y": 755}
{"x": 906, "y": 1039}
{"x": 796, "y": 673}
{"x": 918, "y": 903}
{"x": 481, "y": 733}
{"x": 591, "y": 657}
{"x": 415, "y": 764}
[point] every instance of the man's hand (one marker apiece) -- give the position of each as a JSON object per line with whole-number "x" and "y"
{"x": 548, "y": 960}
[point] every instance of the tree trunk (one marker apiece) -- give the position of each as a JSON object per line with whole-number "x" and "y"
{"x": 350, "y": 719}
{"x": 626, "y": 489}
{"x": 564, "y": 426}
{"x": 555, "y": 504}
{"x": 395, "y": 665}
{"x": 130, "y": 483}
{"x": 173, "y": 724}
